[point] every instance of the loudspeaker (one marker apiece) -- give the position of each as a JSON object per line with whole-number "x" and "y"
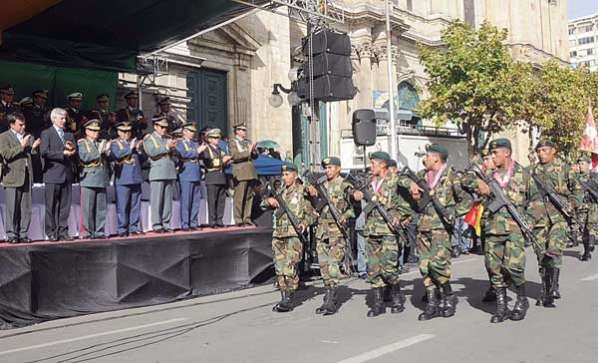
{"x": 364, "y": 127}
{"x": 327, "y": 88}
{"x": 328, "y": 41}
{"x": 330, "y": 64}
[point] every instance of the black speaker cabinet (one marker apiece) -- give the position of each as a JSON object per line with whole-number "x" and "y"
{"x": 364, "y": 127}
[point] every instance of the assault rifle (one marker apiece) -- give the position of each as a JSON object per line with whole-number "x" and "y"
{"x": 372, "y": 203}
{"x": 429, "y": 197}
{"x": 591, "y": 187}
{"x": 318, "y": 183}
{"x": 283, "y": 208}
{"x": 562, "y": 205}
{"x": 500, "y": 200}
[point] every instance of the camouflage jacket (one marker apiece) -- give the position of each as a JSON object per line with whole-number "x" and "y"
{"x": 387, "y": 196}
{"x": 559, "y": 175}
{"x": 296, "y": 199}
{"x": 451, "y": 196}
{"x": 516, "y": 191}
{"x": 339, "y": 191}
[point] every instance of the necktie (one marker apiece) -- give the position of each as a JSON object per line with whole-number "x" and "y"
{"x": 61, "y": 134}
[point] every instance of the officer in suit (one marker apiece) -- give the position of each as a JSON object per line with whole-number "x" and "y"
{"x": 215, "y": 161}
{"x": 166, "y": 111}
{"x": 7, "y": 105}
{"x": 189, "y": 177}
{"x": 243, "y": 152}
{"x": 16, "y": 148}
{"x": 132, "y": 114}
{"x": 94, "y": 178}
{"x": 159, "y": 146}
{"x": 58, "y": 150}
{"x": 107, "y": 118}
{"x": 75, "y": 116}
{"x": 127, "y": 156}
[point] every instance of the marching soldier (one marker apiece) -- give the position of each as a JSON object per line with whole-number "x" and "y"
{"x": 287, "y": 248}
{"x": 189, "y": 177}
{"x": 128, "y": 156}
{"x": 75, "y": 116}
{"x": 215, "y": 161}
{"x": 106, "y": 117}
{"x": 7, "y": 105}
{"x": 550, "y": 221}
{"x": 94, "y": 179}
{"x": 242, "y": 152}
{"x": 382, "y": 246}
{"x": 588, "y": 211}
{"x": 133, "y": 115}
{"x": 158, "y": 146}
{"x": 434, "y": 238}
{"x": 331, "y": 246}
{"x": 505, "y": 244}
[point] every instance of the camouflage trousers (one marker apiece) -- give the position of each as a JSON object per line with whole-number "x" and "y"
{"x": 287, "y": 254}
{"x": 434, "y": 248}
{"x": 505, "y": 259}
{"x": 331, "y": 253}
{"x": 552, "y": 240}
{"x": 382, "y": 254}
{"x": 589, "y": 230}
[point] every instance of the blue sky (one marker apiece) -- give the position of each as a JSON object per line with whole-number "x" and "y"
{"x": 578, "y": 8}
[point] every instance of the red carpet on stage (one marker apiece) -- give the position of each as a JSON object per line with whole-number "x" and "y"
{"x": 50, "y": 280}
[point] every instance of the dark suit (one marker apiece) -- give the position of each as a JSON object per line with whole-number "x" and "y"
{"x": 215, "y": 184}
{"x": 17, "y": 183}
{"x": 58, "y": 177}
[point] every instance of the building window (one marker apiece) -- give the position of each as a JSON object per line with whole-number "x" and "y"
{"x": 573, "y": 54}
{"x": 590, "y": 51}
{"x": 409, "y": 5}
{"x": 587, "y": 28}
{"x": 586, "y": 40}
{"x": 469, "y": 11}
{"x": 571, "y": 31}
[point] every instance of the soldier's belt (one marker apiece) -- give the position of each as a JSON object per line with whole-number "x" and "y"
{"x": 194, "y": 161}
{"x": 93, "y": 164}
{"x": 214, "y": 169}
{"x": 239, "y": 161}
{"x": 126, "y": 160}
{"x": 159, "y": 157}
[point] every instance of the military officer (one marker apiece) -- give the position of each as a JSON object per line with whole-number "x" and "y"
{"x": 588, "y": 211}
{"x": 243, "y": 152}
{"x": 94, "y": 178}
{"x": 382, "y": 247}
{"x": 128, "y": 156}
{"x": 7, "y": 105}
{"x": 215, "y": 160}
{"x": 75, "y": 115}
{"x": 107, "y": 118}
{"x": 189, "y": 177}
{"x": 287, "y": 248}
{"x": 166, "y": 111}
{"x": 132, "y": 114}
{"x": 331, "y": 246}
{"x": 505, "y": 245}
{"x": 159, "y": 146}
{"x": 433, "y": 233}
{"x": 37, "y": 114}
{"x": 550, "y": 223}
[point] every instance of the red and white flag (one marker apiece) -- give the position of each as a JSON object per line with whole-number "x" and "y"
{"x": 589, "y": 138}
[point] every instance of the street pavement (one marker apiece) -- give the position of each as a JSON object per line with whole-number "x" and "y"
{"x": 241, "y": 327}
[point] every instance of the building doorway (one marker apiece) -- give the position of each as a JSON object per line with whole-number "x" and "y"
{"x": 207, "y": 90}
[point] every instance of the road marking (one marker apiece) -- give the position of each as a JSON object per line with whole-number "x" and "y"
{"x": 590, "y": 278}
{"x": 373, "y": 354}
{"x": 63, "y": 341}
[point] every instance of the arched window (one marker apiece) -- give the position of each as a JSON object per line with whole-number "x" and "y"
{"x": 408, "y": 99}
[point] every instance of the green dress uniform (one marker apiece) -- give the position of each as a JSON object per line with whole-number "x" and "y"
{"x": 94, "y": 180}
{"x": 244, "y": 175}
{"x": 550, "y": 225}
{"x": 162, "y": 177}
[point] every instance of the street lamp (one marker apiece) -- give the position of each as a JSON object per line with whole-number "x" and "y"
{"x": 275, "y": 98}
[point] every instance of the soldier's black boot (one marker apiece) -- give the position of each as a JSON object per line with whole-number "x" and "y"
{"x": 502, "y": 312}
{"x": 322, "y": 308}
{"x": 540, "y": 300}
{"x": 397, "y": 304}
{"x": 587, "y": 250}
{"x": 431, "y": 311}
{"x": 521, "y": 304}
{"x": 556, "y": 273}
{"x": 490, "y": 295}
{"x": 285, "y": 304}
{"x": 449, "y": 300}
{"x": 330, "y": 302}
{"x": 378, "y": 303}
{"x": 548, "y": 298}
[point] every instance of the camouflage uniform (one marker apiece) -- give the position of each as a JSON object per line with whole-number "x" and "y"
{"x": 330, "y": 244}
{"x": 550, "y": 226}
{"x": 286, "y": 246}
{"x": 587, "y": 213}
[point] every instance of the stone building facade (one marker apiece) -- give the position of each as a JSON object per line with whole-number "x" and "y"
{"x": 225, "y": 77}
